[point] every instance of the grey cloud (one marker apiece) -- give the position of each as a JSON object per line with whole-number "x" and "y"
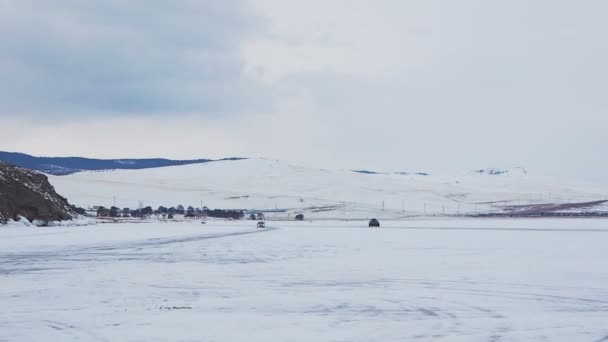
{"x": 112, "y": 57}
{"x": 441, "y": 85}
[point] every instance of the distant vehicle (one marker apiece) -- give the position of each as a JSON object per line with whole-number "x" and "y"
{"x": 204, "y": 222}
{"x": 261, "y": 224}
{"x": 300, "y": 217}
{"x": 374, "y": 223}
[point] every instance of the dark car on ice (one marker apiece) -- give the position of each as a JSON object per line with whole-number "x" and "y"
{"x": 374, "y": 223}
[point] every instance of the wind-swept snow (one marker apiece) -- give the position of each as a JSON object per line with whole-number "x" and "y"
{"x": 513, "y": 280}
{"x": 267, "y": 184}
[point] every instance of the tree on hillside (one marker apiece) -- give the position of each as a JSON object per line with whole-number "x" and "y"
{"x": 114, "y": 211}
{"x": 233, "y": 214}
{"x": 147, "y": 211}
{"x": 103, "y": 212}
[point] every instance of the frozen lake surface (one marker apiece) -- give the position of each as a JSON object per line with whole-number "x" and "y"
{"x": 435, "y": 280}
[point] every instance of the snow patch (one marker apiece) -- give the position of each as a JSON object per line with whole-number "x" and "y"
{"x": 22, "y": 222}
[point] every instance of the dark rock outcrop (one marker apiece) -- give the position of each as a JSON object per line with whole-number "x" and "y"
{"x": 29, "y": 194}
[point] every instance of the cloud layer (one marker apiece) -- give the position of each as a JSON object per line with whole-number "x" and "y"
{"x": 392, "y": 85}
{"x": 84, "y": 58}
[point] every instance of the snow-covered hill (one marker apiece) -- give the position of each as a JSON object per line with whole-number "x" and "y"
{"x": 269, "y": 185}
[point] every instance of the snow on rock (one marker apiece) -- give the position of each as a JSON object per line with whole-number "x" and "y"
{"x": 22, "y": 222}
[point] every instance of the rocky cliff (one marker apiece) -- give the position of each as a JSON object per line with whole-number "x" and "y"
{"x": 29, "y": 194}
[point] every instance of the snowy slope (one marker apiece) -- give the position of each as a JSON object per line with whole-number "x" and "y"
{"x": 269, "y": 184}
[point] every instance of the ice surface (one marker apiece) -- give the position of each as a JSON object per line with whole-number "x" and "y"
{"x": 425, "y": 280}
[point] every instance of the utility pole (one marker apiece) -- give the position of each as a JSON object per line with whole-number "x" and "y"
{"x": 403, "y": 205}
{"x": 382, "y": 205}
{"x": 114, "y": 198}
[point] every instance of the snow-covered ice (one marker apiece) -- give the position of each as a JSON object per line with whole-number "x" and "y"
{"x": 429, "y": 280}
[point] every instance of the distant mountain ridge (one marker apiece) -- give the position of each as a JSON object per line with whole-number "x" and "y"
{"x": 67, "y": 165}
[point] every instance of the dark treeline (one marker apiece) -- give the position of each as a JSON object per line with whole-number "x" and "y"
{"x": 169, "y": 212}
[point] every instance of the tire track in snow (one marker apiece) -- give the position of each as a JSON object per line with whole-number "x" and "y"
{"x": 74, "y": 331}
{"x": 162, "y": 242}
{"x": 488, "y": 229}
{"x": 21, "y": 262}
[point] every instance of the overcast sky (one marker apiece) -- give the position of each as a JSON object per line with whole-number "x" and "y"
{"x": 390, "y": 85}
